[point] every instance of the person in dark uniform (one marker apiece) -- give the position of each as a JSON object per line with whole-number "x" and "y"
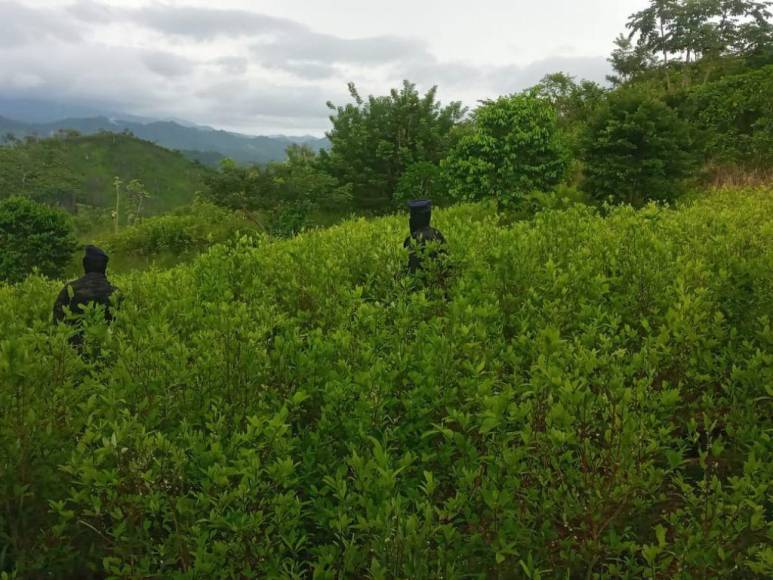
{"x": 92, "y": 288}
{"x": 425, "y": 242}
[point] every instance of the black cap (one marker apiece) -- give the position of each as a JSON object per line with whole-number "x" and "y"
{"x": 421, "y": 214}
{"x": 420, "y": 204}
{"x": 95, "y": 260}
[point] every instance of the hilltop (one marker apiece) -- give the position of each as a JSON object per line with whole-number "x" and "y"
{"x": 199, "y": 143}
{"x": 72, "y": 169}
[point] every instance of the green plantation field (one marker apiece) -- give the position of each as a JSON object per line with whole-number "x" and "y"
{"x": 590, "y": 396}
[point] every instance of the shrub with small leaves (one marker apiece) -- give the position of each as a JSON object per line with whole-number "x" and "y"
{"x": 33, "y": 236}
{"x": 589, "y": 397}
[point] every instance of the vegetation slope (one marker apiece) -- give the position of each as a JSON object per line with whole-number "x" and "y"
{"x": 72, "y": 169}
{"x": 589, "y": 395}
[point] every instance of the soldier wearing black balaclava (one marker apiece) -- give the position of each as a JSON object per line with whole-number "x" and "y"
{"x": 422, "y": 235}
{"x": 92, "y": 288}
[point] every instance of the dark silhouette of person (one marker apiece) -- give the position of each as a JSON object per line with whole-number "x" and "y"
{"x": 425, "y": 242}
{"x": 92, "y": 288}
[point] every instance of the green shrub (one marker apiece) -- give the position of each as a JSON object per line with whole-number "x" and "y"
{"x": 733, "y": 119}
{"x": 591, "y": 399}
{"x": 421, "y": 180}
{"x": 33, "y": 236}
{"x": 636, "y": 149}
{"x": 186, "y": 230}
{"x": 289, "y": 219}
{"x": 514, "y": 149}
{"x": 375, "y": 139}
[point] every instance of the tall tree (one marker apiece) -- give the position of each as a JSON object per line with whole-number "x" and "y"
{"x": 514, "y": 149}
{"x": 375, "y": 140}
{"x": 572, "y": 101}
{"x": 688, "y": 31}
{"x": 628, "y": 60}
{"x": 636, "y": 149}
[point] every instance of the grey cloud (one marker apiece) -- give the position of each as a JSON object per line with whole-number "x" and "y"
{"x": 22, "y": 25}
{"x": 249, "y": 99}
{"x": 234, "y": 65}
{"x": 326, "y": 49}
{"x": 241, "y": 103}
{"x": 443, "y": 74}
{"x": 167, "y": 64}
{"x": 93, "y": 12}
{"x": 189, "y": 21}
{"x": 278, "y": 43}
{"x": 42, "y": 55}
{"x": 313, "y": 56}
{"x": 311, "y": 71}
{"x": 115, "y": 76}
{"x": 282, "y": 40}
{"x": 208, "y": 23}
{"x": 515, "y": 78}
{"x": 500, "y": 79}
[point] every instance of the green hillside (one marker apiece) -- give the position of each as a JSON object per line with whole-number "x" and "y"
{"x": 71, "y": 169}
{"x": 588, "y": 397}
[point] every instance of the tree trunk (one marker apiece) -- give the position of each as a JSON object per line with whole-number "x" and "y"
{"x": 665, "y": 55}
{"x": 117, "y": 206}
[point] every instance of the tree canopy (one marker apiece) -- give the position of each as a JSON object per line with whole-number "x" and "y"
{"x": 681, "y": 32}
{"x": 514, "y": 148}
{"x": 375, "y": 140}
{"x": 635, "y": 149}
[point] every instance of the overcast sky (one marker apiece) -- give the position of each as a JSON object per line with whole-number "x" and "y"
{"x": 269, "y": 66}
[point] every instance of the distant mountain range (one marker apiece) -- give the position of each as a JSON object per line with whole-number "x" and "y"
{"x": 203, "y": 144}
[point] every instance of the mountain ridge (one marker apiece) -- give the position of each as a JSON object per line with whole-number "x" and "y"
{"x": 194, "y": 141}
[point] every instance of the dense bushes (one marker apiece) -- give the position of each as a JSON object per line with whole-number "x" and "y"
{"x": 189, "y": 229}
{"x": 33, "y": 236}
{"x": 733, "y": 119}
{"x": 636, "y": 149}
{"x": 593, "y": 397}
{"x": 374, "y": 140}
{"x": 514, "y": 149}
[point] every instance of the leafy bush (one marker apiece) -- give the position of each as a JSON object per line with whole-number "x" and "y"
{"x": 190, "y": 229}
{"x": 733, "y": 119}
{"x": 421, "y": 180}
{"x": 515, "y": 149}
{"x": 33, "y": 236}
{"x": 636, "y": 149}
{"x": 289, "y": 219}
{"x": 590, "y": 399}
{"x": 299, "y": 181}
{"x": 374, "y": 140}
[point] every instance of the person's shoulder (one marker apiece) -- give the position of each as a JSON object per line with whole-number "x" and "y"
{"x": 68, "y": 290}
{"x": 72, "y": 283}
{"x": 78, "y": 282}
